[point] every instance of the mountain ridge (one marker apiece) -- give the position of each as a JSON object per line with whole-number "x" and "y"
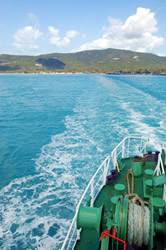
{"x": 92, "y": 61}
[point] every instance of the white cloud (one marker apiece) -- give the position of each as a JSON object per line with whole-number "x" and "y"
{"x": 136, "y": 33}
{"x": 56, "y": 39}
{"x": 32, "y": 20}
{"x": 26, "y": 38}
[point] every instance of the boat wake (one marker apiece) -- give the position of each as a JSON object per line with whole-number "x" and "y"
{"x": 36, "y": 210}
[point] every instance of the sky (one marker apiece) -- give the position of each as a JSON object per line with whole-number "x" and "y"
{"x": 34, "y": 27}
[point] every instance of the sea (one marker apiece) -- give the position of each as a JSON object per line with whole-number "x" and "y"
{"x": 55, "y": 131}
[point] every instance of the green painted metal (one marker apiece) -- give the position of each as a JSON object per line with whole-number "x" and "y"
{"x": 148, "y": 186}
{"x": 136, "y": 168}
{"x": 117, "y": 220}
{"x": 150, "y": 164}
{"x": 115, "y": 212}
{"x": 148, "y": 173}
{"x": 119, "y": 189}
{"x": 152, "y": 233}
{"x": 121, "y": 164}
{"x": 88, "y": 201}
{"x": 159, "y": 205}
{"x": 158, "y": 191}
{"x": 114, "y": 200}
{"x": 89, "y": 218}
{"x": 105, "y": 243}
{"x": 90, "y": 240}
{"x": 159, "y": 180}
{"x": 160, "y": 227}
{"x": 123, "y": 226}
{"x": 158, "y": 202}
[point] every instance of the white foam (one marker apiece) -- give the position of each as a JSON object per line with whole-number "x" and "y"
{"x": 137, "y": 124}
{"x": 67, "y": 163}
{"x": 55, "y": 186}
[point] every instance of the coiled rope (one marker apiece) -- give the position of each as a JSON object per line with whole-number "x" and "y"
{"x": 138, "y": 221}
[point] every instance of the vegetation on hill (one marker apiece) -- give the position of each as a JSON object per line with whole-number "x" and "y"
{"x": 95, "y": 61}
{"x": 51, "y": 63}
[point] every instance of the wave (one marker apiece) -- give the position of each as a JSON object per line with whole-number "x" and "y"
{"x": 36, "y": 210}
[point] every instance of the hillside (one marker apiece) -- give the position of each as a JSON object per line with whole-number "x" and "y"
{"x": 113, "y": 60}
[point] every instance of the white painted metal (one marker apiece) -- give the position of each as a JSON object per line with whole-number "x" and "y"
{"x": 159, "y": 168}
{"x": 123, "y": 148}
{"x": 164, "y": 194}
{"x": 92, "y": 193}
{"x": 164, "y": 148}
{"x": 121, "y": 151}
{"x": 78, "y": 234}
{"x": 104, "y": 174}
{"x": 128, "y": 147}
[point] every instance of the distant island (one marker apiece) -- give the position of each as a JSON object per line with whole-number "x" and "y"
{"x": 112, "y": 61}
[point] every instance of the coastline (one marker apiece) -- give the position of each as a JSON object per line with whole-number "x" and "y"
{"x": 84, "y": 73}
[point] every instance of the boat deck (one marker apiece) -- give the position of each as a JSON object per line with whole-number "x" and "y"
{"x": 90, "y": 238}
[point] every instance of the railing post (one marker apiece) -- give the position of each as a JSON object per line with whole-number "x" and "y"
{"x": 92, "y": 193}
{"x": 123, "y": 149}
{"x": 145, "y": 149}
{"x": 141, "y": 144}
{"x": 104, "y": 173}
{"x": 128, "y": 146}
{"x": 78, "y": 233}
{"x": 164, "y": 148}
{"x": 114, "y": 159}
{"x": 162, "y": 166}
{"x": 108, "y": 163}
{"x": 159, "y": 168}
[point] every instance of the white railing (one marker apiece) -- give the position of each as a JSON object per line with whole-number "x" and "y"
{"x": 129, "y": 146}
{"x": 93, "y": 188}
{"x": 164, "y": 194}
{"x": 164, "y": 148}
{"x": 160, "y": 167}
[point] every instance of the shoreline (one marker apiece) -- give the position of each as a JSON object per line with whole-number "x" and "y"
{"x": 83, "y": 73}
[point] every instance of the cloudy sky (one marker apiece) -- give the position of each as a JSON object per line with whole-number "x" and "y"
{"x": 38, "y": 27}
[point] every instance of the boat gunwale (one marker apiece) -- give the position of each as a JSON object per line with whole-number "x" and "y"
{"x": 114, "y": 163}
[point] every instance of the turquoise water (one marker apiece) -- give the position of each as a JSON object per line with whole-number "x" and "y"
{"x": 55, "y": 130}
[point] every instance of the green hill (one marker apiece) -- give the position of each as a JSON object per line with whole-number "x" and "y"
{"x": 113, "y": 60}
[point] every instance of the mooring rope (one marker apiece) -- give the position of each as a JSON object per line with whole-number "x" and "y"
{"x": 138, "y": 221}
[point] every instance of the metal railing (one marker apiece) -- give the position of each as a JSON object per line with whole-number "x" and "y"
{"x": 160, "y": 166}
{"x": 164, "y": 148}
{"x": 125, "y": 148}
{"x": 129, "y": 146}
{"x": 93, "y": 188}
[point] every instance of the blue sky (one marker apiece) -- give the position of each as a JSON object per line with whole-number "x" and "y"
{"x": 38, "y": 27}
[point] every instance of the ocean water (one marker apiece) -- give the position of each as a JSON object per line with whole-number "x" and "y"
{"x": 55, "y": 130}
